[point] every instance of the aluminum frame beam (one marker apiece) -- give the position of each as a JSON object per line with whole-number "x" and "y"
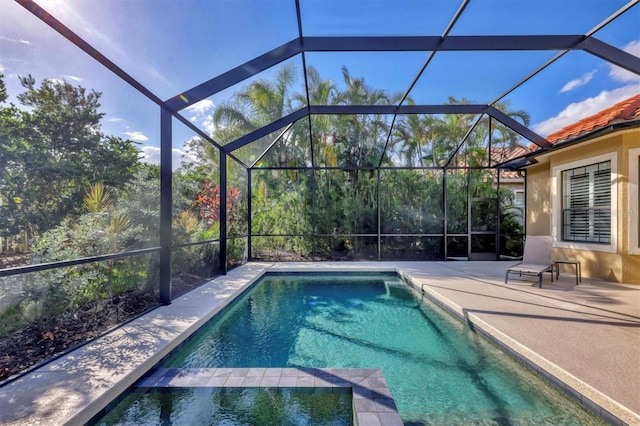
{"x": 464, "y": 139}
{"x": 395, "y": 109}
{"x": 67, "y": 33}
{"x": 390, "y": 110}
{"x": 223, "y": 213}
{"x": 352, "y": 109}
{"x": 302, "y": 44}
{"x": 235, "y": 75}
{"x": 612, "y": 54}
{"x": 518, "y": 128}
{"x": 370, "y": 44}
{"x": 437, "y": 43}
{"x": 17, "y": 270}
{"x": 166, "y": 203}
{"x": 264, "y": 131}
{"x": 397, "y": 44}
{"x": 275, "y": 141}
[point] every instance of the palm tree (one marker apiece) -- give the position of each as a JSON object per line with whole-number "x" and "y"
{"x": 414, "y": 139}
{"x": 451, "y": 130}
{"x": 476, "y": 150}
{"x": 359, "y": 139}
{"x": 504, "y": 140}
{"x": 257, "y": 105}
{"x": 505, "y": 135}
{"x": 321, "y": 92}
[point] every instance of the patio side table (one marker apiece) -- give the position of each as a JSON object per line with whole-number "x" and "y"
{"x": 574, "y": 262}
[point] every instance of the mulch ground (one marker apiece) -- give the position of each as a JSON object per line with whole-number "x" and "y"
{"x": 35, "y": 343}
{"x": 32, "y": 344}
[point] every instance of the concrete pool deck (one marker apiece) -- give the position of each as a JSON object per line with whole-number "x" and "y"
{"x": 586, "y": 337}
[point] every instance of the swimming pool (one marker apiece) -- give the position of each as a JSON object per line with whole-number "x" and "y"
{"x": 438, "y": 371}
{"x": 230, "y": 407}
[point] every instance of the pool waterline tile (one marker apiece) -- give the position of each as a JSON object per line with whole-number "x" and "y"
{"x": 360, "y": 392}
{"x": 240, "y": 372}
{"x": 288, "y": 381}
{"x": 234, "y": 381}
{"x": 365, "y": 404}
{"x": 375, "y": 382}
{"x": 277, "y": 372}
{"x": 222, "y": 372}
{"x": 217, "y": 381}
{"x": 252, "y": 381}
{"x": 270, "y": 381}
{"x": 390, "y": 419}
{"x": 305, "y": 382}
{"x": 322, "y": 382}
{"x": 256, "y": 372}
{"x": 368, "y": 418}
{"x": 369, "y": 403}
{"x": 182, "y": 381}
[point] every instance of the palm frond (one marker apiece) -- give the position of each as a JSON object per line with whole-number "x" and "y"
{"x": 96, "y": 198}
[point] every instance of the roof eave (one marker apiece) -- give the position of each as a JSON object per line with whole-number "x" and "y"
{"x": 541, "y": 155}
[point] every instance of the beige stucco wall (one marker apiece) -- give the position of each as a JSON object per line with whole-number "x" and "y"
{"x": 631, "y": 268}
{"x": 620, "y": 266}
{"x": 538, "y": 204}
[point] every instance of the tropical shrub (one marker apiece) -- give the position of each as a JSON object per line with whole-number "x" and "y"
{"x": 102, "y": 229}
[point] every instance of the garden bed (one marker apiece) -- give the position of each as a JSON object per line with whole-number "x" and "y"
{"x": 34, "y": 343}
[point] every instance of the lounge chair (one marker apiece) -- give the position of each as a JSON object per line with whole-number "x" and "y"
{"x": 536, "y": 259}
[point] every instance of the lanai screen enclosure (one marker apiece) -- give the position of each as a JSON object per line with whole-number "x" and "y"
{"x": 317, "y": 130}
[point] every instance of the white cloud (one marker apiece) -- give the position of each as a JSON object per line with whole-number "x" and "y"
{"x": 201, "y": 108}
{"x": 622, "y": 75}
{"x": 151, "y": 155}
{"x": 579, "y": 110}
{"x": 581, "y": 81}
{"x": 115, "y": 120}
{"x": 13, "y": 40}
{"x": 73, "y": 77}
{"x": 136, "y": 136}
{"x": 209, "y": 126}
{"x": 2, "y": 68}
{"x": 203, "y": 112}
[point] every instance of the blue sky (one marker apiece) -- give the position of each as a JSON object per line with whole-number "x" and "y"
{"x": 171, "y": 46}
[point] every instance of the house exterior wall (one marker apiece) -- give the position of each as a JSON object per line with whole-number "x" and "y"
{"x": 619, "y": 261}
{"x": 538, "y": 204}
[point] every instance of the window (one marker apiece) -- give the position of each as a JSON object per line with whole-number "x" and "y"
{"x": 586, "y": 203}
{"x": 518, "y": 198}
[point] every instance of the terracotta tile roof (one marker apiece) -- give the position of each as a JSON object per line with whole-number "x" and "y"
{"x": 627, "y": 110}
{"x": 510, "y": 175}
{"x": 501, "y": 155}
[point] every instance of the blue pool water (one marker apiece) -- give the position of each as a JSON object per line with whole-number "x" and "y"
{"x": 438, "y": 371}
{"x": 230, "y": 407}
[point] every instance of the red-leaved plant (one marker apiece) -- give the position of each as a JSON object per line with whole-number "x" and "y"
{"x": 209, "y": 201}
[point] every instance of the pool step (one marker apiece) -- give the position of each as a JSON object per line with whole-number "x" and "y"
{"x": 372, "y": 400}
